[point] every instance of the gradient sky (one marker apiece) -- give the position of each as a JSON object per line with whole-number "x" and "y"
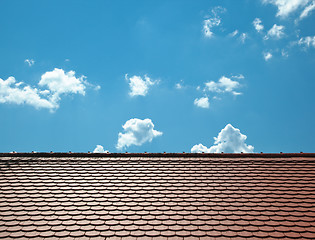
{"x": 175, "y": 74}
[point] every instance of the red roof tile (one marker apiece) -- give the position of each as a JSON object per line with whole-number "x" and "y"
{"x": 157, "y": 196}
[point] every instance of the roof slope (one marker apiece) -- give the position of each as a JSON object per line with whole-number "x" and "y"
{"x": 158, "y": 196}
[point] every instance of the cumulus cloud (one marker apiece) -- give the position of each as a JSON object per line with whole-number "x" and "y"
{"x": 100, "y": 149}
{"x": 267, "y": 56}
{"x": 307, "y": 42}
{"x": 211, "y": 21}
{"x": 60, "y": 82}
{"x": 13, "y": 92}
{"x": 276, "y": 32}
{"x": 258, "y": 24}
{"x": 307, "y": 10}
{"x": 223, "y": 85}
{"x": 57, "y": 83}
{"x": 139, "y": 86}
{"x": 229, "y": 140}
{"x": 286, "y": 7}
{"x": 202, "y": 102}
{"x": 30, "y": 62}
{"x": 137, "y": 132}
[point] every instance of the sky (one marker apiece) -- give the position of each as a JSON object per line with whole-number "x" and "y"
{"x": 157, "y": 76}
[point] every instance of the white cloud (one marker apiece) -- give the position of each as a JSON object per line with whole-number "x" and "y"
{"x": 223, "y": 85}
{"x": 243, "y": 37}
{"x": 202, "y": 102}
{"x": 57, "y": 81}
{"x": 212, "y": 21}
{"x": 208, "y": 24}
{"x": 276, "y": 32}
{"x": 179, "y": 85}
{"x": 286, "y": 7}
{"x": 30, "y": 62}
{"x": 139, "y": 86}
{"x": 284, "y": 53}
{"x": 307, "y": 10}
{"x": 240, "y": 76}
{"x": 199, "y": 148}
{"x": 307, "y": 42}
{"x": 12, "y": 92}
{"x": 233, "y": 34}
{"x": 267, "y": 56}
{"x": 137, "y": 132}
{"x": 229, "y": 139}
{"x": 100, "y": 149}
{"x": 257, "y": 24}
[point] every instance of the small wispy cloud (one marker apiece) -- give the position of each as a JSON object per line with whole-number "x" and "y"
{"x": 276, "y": 32}
{"x": 307, "y": 42}
{"x": 179, "y": 85}
{"x": 307, "y": 10}
{"x": 258, "y": 25}
{"x": 30, "y": 62}
{"x": 234, "y": 33}
{"x": 243, "y": 37}
{"x": 212, "y": 21}
{"x": 267, "y": 56}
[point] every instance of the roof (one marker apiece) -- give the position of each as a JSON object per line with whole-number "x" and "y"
{"x": 157, "y": 196}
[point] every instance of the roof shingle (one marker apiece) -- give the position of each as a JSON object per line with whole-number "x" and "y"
{"x": 158, "y": 196}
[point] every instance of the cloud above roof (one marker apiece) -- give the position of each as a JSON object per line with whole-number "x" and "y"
{"x": 139, "y": 86}
{"x": 53, "y": 85}
{"x": 137, "y": 132}
{"x": 13, "y": 92}
{"x": 229, "y": 140}
{"x": 60, "y": 82}
{"x": 100, "y": 149}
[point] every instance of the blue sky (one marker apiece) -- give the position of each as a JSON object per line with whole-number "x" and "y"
{"x": 157, "y": 76}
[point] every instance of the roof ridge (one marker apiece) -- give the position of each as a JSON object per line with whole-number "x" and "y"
{"x": 201, "y": 155}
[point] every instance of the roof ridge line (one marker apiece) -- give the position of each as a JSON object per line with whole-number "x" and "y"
{"x": 211, "y": 155}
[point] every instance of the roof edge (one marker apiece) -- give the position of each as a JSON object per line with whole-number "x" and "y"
{"x": 208, "y": 155}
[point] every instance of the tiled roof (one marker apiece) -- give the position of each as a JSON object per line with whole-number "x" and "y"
{"x": 157, "y": 196}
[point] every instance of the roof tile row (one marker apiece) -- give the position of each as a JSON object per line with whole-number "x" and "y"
{"x": 153, "y": 196}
